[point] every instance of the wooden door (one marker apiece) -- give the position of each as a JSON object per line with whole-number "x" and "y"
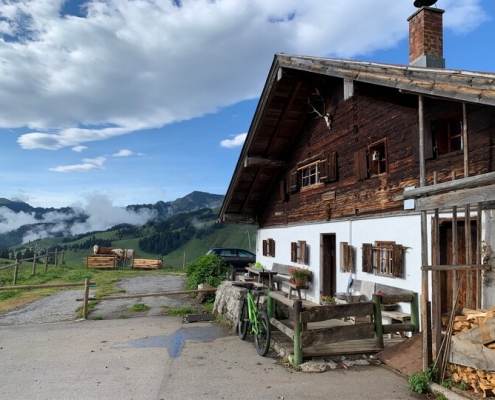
{"x": 448, "y": 292}
{"x": 328, "y": 270}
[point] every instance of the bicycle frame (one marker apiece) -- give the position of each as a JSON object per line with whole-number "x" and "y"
{"x": 252, "y": 312}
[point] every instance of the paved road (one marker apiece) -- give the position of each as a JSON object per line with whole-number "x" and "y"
{"x": 163, "y": 358}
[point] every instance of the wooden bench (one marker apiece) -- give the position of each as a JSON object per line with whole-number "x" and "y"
{"x": 283, "y": 276}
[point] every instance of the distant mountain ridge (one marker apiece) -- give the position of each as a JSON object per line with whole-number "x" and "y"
{"x": 68, "y": 216}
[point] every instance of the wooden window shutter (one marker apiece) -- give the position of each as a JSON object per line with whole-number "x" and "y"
{"x": 367, "y": 257}
{"x": 303, "y": 254}
{"x": 294, "y": 181}
{"x": 397, "y": 260}
{"x": 347, "y": 257}
{"x": 328, "y": 168}
{"x": 293, "y": 252}
{"x": 265, "y": 244}
{"x": 272, "y": 247}
{"x": 361, "y": 164}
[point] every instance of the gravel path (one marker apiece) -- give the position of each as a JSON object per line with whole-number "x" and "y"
{"x": 62, "y": 306}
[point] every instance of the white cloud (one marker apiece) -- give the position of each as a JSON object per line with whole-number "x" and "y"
{"x": 79, "y": 149}
{"x": 123, "y": 153}
{"x": 237, "y": 141}
{"x": 132, "y": 65}
{"x": 88, "y": 164}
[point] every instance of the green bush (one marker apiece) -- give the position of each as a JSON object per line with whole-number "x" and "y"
{"x": 419, "y": 382}
{"x": 209, "y": 269}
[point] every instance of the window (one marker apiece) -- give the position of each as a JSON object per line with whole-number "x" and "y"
{"x": 383, "y": 258}
{"x": 311, "y": 174}
{"x": 299, "y": 252}
{"x": 269, "y": 248}
{"x": 371, "y": 161}
{"x": 448, "y": 135}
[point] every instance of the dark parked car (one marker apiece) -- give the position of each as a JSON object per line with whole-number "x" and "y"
{"x": 238, "y": 258}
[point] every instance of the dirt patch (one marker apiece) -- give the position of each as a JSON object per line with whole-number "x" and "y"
{"x": 62, "y": 306}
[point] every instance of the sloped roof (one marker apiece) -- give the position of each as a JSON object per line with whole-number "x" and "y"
{"x": 281, "y": 111}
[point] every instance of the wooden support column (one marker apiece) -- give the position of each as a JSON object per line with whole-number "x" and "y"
{"x": 435, "y": 284}
{"x": 34, "y": 264}
{"x": 377, "y": 309}
{"x": 16, "y": 271}
{"x": 479, "y": 226}
{"x": 455, "y": 253}
{"x": 297, "y": 332}
{"x": 469, "y": 257}
{"x": 415, "y": 312}
{"x": 425, "y": 321}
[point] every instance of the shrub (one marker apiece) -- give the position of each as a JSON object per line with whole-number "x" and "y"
{"x": 419, "y": 382}
{"x": 209, "y": 269}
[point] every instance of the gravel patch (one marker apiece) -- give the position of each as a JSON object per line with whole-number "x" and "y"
{"x": 62, "y": 306}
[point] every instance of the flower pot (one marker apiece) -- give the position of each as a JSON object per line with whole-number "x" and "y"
{"x": 301, "y": 281}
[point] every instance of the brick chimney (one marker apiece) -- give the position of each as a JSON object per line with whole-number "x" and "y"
{"x": 426, "y": 38}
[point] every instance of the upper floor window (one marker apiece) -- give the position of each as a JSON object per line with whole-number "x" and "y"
{"x": 448, "y": 135}
{"x": 371, "y": 160}
{"x": 310, "y": 175}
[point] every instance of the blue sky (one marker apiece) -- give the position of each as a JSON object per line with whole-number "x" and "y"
{"x": 134, "y": 102}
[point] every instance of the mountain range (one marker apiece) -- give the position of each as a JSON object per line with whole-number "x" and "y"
{"x": 21, "y": 223}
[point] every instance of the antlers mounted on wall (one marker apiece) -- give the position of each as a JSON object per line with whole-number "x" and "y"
{"x": 323, "y": 114}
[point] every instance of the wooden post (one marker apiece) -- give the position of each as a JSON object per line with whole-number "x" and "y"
{"x": 479, "y": 224}
{"x": 16, "y": 271}
{"x": 427, "y": 344}
{"x": 469, "y": 257}
{"x": 377, "y": 315}
{"x": 34, "y": 264}
{"x": 270, "y": 304}
{"x": 436, "y": 296}
{"x": 415, "y": 312}
{"x": 86, "y": 297}
{"x": 56, "y": 259}
{"x": 297, "y": 332}
{"x": 63, "y": 256}
{"x": 46, "y": 260}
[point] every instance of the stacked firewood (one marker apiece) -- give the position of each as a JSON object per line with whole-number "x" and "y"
{"x": 482, "y": 382}
{"x": 471, "y": 319}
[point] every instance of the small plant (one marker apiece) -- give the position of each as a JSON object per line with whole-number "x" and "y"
{"x": 97, "y": 318}
{"x": 298, "y": 274}
{"x": 419, "y": 382}
{"x": 181, "y": 311}
{"x": 441, "y": 396}
{"x": 447, "y": 383}
{"x": 208, "y": 307}
{"x": 462, "y": 385}
{"x": 139, "y": 307}
{"x": 209, "y": 269}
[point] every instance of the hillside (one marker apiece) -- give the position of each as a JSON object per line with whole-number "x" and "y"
{"x": 177, "y": 236}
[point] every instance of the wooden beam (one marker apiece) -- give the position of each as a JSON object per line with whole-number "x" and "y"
{"x": 283, "y": 328}
{"x": 336, "y": 311}
{"x": 473, "y": 267}
{"x": 464, "y": 183}
{"x": 281, "y": 298}
{"x": 458, "y": 198}
{"x": 336, "y": 334}
{"x": 262, "y": 162}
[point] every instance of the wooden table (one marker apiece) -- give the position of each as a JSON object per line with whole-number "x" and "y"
{"x": 261, "y": 273}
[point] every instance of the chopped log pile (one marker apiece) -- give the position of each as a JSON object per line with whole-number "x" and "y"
{"x": 473, "y": 350}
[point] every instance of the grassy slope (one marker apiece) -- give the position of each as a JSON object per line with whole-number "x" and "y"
{"x": 231, "y": 235}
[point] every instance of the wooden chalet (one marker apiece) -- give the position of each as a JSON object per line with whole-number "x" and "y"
{"x": 379, "y": 172}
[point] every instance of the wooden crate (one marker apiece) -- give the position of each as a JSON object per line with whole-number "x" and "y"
{"x": 101, "y": 262}
{"x": 143, "y": 263}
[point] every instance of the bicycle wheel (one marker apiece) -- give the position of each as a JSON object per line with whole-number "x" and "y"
{"x": 262, "y": 339}
{"x": 242, "y": 325}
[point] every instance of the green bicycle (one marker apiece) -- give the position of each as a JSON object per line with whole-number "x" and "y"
{"x": 251, "y": 318}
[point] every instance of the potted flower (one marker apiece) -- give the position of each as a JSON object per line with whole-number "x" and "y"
{"x": 299, "y": 276}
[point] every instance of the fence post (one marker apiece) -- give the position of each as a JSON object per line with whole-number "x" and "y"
{"x": 377, "y": 306}
{"x": 415, "y": 312}
{"x": 56, "y": 253}
{"x": 34, "y": 265}
{"x": 269, "y": 304}
{"x": 297, "y": 332}
{"x": 86, "y": 296}
{"x": 16, "y": 271}
{"x": 46, "y": 259}
{"x": 63, "y": 255}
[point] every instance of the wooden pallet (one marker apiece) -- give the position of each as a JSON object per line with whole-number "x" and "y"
{"x": 143, "y": 263}
{"x": 101, "y": 262}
